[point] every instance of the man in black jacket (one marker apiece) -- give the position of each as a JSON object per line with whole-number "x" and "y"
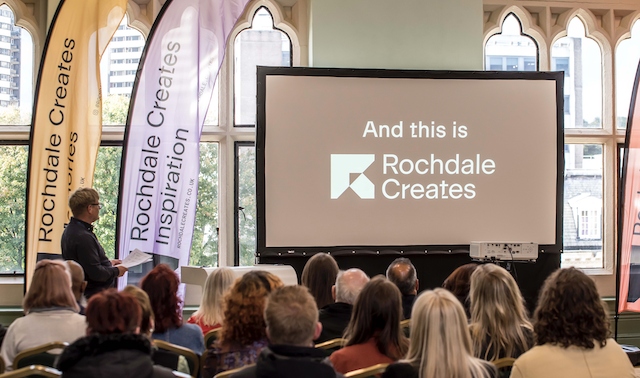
{"x": 292, "y": 325}
{"x": 403, "y": 274}
{"x": 335, "y": 316}
{"x": 80, "y": 244}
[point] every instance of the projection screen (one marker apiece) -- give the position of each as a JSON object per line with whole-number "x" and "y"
{"x": 385, "y": 159}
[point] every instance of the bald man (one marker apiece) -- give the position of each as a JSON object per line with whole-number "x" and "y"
{"x": 78, "y": 284}
{"x": 335, "y": 316}
{"x": 403, "y": 274}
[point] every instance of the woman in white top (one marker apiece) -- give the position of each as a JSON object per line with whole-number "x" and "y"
{"x": 51, "y": 313}
{"x": 572, "y": 333}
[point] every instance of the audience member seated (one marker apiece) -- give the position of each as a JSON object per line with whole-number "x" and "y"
{"x": 209, "y": 315}
{"x": 403, "y": 274}
{"x": 169, "y": 360}
{"x": 319, "y": 275}
{"x": 572, "y": 333}
{"x": 161, "y": 285}
{"x": 291, "y": 316}
{"x": 51, "y": 313}
{"x": 335, "y": 316}
{"x": 458, "y": 284}
{"x": 243, "y": 334}
{"x": 78, "y": 284}
{"x": 440, "y": 342}
{"x": 373, "y": 334}
{"x": 499, "y": 324}
{"x": 113, "y": 347}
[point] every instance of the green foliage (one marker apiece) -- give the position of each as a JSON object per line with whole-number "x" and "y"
{"x": 105, "y": 181}
{"x": 204, "y": 247}
{"x": 115, "y": 109}
{"x": 13, "y": 179}
{"x": 10, "y": 115}
{"x": 247, "y": 200}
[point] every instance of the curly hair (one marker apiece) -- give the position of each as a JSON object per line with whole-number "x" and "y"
{"x": 570, "y": 311}
{"x": 161, "y": 284}
{"x": 111, "y": 311}
{"x": 244, "y": 309}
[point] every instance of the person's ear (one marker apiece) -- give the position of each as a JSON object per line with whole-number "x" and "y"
{"x": 268, "y": 333}
{"x": 417, "y": 285}
{"x": 333, "y": 292}
{"x": 317, "y": 331}
{"x": 83, "y": 287}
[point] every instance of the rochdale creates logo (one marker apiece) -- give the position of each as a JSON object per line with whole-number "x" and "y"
{"x": 343, "y": 166}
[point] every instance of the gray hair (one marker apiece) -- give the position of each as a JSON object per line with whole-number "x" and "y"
{"x": 347, "y": 290}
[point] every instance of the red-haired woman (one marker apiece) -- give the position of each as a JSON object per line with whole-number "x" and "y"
{"x": 243, "y": 334}
{"x": 113, "y": 346}
{"x": 161, "y": 284}
{"x": 51, "y": 312}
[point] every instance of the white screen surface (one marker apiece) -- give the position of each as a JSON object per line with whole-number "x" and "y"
{"x": 366, "y": 161}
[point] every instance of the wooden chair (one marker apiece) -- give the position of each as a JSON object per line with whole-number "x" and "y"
{"x": 211, "y": 336}
{"x": 331, "y": 346}
{"x": 405, "y": 326}
{"x": 2, "y": 367}
{"x": 192, "y": 358}
{"x": 228, "y": 373}
{"x": 370, "y": 371}
{"x": 40, "y": 355}
{"x": 504, "y": 366}
{"x": 33, "y": 371}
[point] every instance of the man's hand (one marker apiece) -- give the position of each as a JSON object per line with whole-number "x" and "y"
{"x": 116, "y": 262}
{"x": 121, "y": 270}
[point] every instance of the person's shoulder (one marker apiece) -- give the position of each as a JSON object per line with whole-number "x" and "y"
{"x": 191, "y": 328}
{"x": 400, "y": 369}
{"x": 247, "y": 372}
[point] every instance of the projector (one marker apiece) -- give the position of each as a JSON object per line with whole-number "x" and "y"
{"x": 503, "y": 251}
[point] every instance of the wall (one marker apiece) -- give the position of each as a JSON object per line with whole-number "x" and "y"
{"x": 410, "y": 34}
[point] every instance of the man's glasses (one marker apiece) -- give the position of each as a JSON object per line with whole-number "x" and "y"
{"x": 97, "y": 204}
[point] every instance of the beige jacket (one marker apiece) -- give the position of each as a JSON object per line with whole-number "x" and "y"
{"x": 550, "y": 361}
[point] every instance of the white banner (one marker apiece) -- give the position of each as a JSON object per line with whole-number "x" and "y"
{"x": 159, "y": 182}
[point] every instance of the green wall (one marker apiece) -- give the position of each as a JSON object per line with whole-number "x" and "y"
{"x": 410, "y": 34}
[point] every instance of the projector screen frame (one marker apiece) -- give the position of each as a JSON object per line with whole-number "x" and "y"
{"x": 264, "y": 72}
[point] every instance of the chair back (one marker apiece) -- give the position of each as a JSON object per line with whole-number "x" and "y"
{"x": 192, "y": 358}
{"x": 211, "y": 337}
{"x": 405, "y": 325}
{"x": 228, "y": 373}
{"x": 33, "y": 371}
{"x": 370, "y": 371}
{"x": 331, "y": 346}
{"x": 40, "y": 355}
{"x": 504, "y": 366}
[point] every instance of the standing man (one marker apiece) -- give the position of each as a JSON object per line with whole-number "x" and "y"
{"x": 80, "y": 244}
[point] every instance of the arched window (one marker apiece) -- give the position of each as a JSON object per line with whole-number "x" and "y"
{"x": 581, "y": 60}
{"x": 118, "y": 72}
{"x": 627, "y": 57}
{"x": 511, "y": 50}
{"x": 260, "y": 45}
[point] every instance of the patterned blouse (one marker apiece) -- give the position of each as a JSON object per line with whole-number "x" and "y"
{"x": 217, "y": 361}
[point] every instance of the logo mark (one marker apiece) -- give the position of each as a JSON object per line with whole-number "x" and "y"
{"x": 342, "y": 166}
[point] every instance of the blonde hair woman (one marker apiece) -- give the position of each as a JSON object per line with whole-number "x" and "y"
{"x": 499, "y": 324}
{"x": 440, "y": 344}
{"x": 51, "y": 312}
{"x": 209, "y": 316}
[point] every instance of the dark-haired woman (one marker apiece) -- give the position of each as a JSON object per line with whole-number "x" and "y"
{"x": 572, "y": 333}
{"x": 113, "y": 346}
{"x": 161, "y": 284}
{"x": 373, "y": 334}
{"x": 319, "y": 275}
